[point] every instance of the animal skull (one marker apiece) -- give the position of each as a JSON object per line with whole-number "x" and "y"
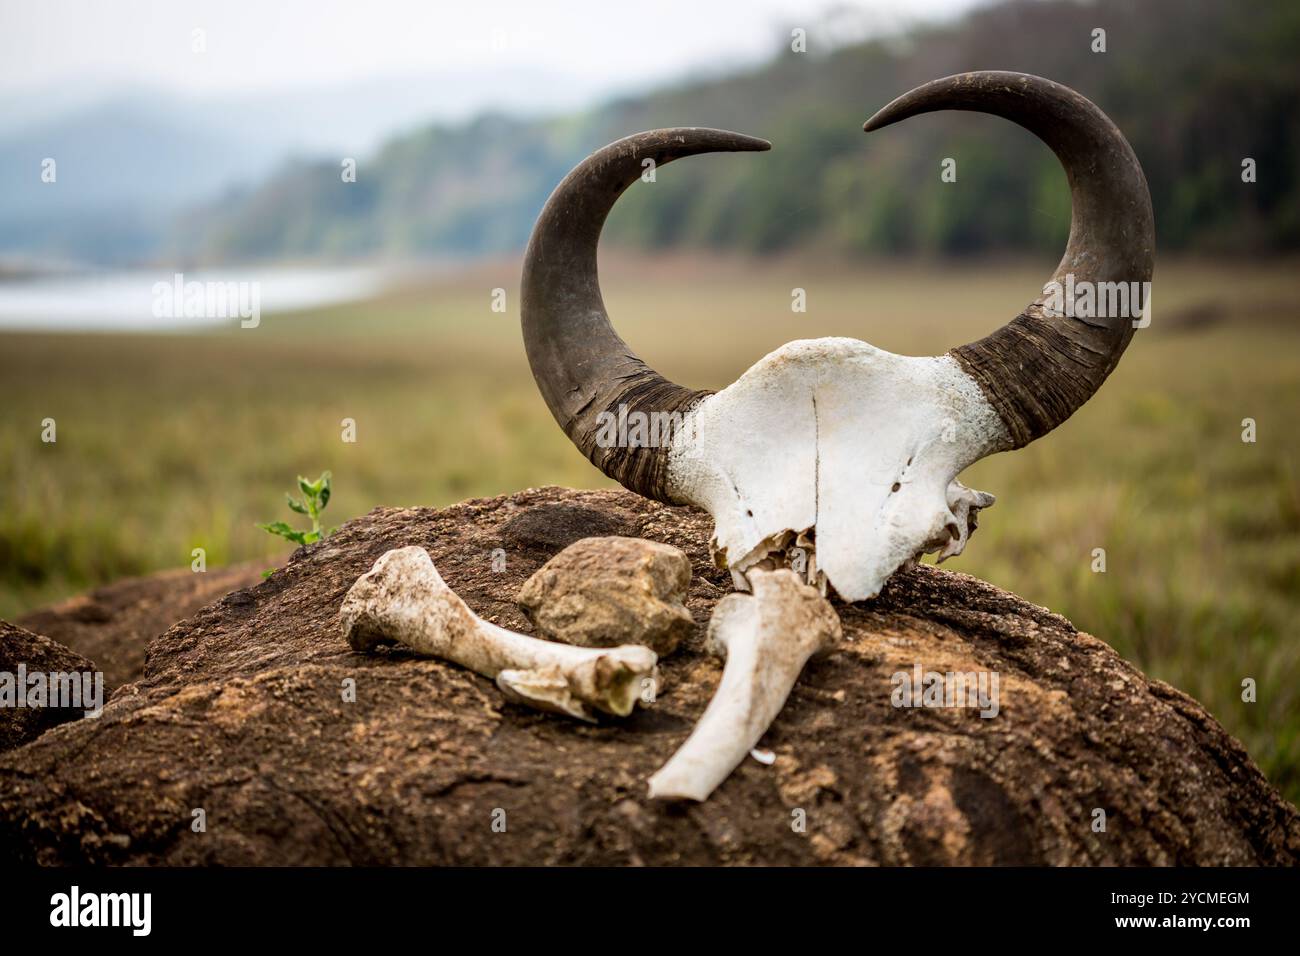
{"x": 846, "y": 448}
{"x": 833, "y": 446}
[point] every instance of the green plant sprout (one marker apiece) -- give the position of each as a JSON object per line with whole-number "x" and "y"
{"x": 315, "y": 496}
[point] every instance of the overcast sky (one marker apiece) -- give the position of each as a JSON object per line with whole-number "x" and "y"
{"x": 276, "y": 45}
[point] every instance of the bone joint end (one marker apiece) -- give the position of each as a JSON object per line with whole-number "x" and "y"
{"x": 766, "y": 638}
{"x": 404, "y": 600}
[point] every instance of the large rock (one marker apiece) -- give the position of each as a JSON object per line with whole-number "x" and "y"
{"x": 245, "y": 711}
{"x": 113, "y": 624}
{"x": 22, "y": 654}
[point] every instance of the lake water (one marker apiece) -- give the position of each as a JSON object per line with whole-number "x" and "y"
{"x": 134, "y": 301}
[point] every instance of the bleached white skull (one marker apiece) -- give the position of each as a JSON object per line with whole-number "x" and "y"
{"x": 829, "y": 454}
{"x": 842, "y": 450}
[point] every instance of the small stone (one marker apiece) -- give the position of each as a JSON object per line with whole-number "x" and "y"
{"x": 602, "y": 592}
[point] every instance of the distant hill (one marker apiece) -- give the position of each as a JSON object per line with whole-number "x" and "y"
{"x": 129, "y": 162}
{"x": 122, "y": 169}
{"x": 466, "y": 189}
{"x": 1196, "y": 86}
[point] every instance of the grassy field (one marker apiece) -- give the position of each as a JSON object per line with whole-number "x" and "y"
{"x": 167, "y": 443}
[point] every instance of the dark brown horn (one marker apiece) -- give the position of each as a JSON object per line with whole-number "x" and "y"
{"x": 1039, "y": 368}
{"x": 581, "y": 365}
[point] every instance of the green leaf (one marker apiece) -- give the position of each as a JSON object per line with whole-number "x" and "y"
{"x": 316, "y": 495}
{"x": 284, "y": 531}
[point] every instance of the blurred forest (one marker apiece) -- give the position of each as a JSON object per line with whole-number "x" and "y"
{"x": 1196, "y": 85}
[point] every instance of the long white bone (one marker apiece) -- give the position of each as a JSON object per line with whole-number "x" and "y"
{"x": 766, "y": 638}
{"x": 403, "y": 598}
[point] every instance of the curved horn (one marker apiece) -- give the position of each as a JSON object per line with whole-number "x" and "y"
{"x": 581, "y": 365}
{"x": 1040, "y": 367}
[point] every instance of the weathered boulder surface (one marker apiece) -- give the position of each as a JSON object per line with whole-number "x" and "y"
{"x": 113, "y": 624}
{"x": 22, "y": 653}
{"x": 244, "y": 711}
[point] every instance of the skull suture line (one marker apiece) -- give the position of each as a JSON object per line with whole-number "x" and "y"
{"x": 831, "y": 445}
